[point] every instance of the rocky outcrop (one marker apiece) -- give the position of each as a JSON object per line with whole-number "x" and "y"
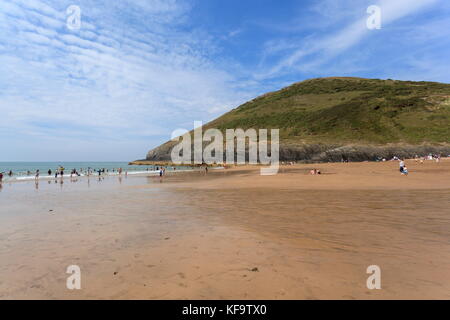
{"x": 331, "y": 153}
{"x": 161, "y": 153}
{"x": 372, "y": 153}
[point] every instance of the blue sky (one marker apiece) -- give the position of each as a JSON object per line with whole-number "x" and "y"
{"x": 137, "y": 70}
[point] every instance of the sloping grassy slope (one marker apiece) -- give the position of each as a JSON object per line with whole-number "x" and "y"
{"x": 350, "y": 110}
{"x": 324, "y": 119}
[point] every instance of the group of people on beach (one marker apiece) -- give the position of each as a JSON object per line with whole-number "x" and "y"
{"x": 435, "y": 157}
{"x": 59, "y": 172}
{"x": 10, "y": 174}
{"x": 404, "y": 169}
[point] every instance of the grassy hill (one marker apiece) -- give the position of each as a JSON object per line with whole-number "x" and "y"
{"x": 321, "y": 115}
{"x": 349, "y": 110}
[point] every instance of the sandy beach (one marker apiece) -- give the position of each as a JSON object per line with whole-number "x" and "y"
{"x": 232, "y": 234}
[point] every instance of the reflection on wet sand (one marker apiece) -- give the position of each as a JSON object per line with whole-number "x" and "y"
{"x": 233, "y": 234}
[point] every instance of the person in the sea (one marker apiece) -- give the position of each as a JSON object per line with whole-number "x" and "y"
{"x": 37, "y": 174}
{"x": 10, "y": 173}
{"x": 1, "y": 177}
{"x": 49, "y": 172}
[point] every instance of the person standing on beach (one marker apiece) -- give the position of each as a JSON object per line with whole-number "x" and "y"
{"x": 37, "y": 174}
{"x": 402, "y": 165}
{"x": 1, "y": 177}
{"x": 49, "y": 172}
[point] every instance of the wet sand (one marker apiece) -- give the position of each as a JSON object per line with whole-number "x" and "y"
{"x": 232, "y": 234}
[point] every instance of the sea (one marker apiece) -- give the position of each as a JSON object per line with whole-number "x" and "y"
{"x": 27, "y": 170}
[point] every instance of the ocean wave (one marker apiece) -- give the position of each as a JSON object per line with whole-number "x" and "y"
{"x": 84, "y": 175}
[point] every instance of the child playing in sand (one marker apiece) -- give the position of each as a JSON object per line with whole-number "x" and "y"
{"x": 405, "y": 171}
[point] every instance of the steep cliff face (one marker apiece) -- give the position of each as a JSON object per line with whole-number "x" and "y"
{"x": 352, "y": 118}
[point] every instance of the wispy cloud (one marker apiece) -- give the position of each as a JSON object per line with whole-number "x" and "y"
{"x": 310, "y": 53}
{"x": 117, "y": 77}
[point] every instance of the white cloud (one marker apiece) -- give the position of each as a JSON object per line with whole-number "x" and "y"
{"x": 310, "y": 54}
{"x": 111, "y": 79}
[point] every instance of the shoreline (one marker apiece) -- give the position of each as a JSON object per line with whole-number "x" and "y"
{"x": 150, "y": 173}
{"x": 248, "y": 168}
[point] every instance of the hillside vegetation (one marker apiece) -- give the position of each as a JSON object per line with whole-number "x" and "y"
{"x": 319, "y": 116}
{"x": 349, "y": 110}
